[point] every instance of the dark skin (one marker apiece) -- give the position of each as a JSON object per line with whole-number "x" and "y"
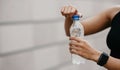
{"x": 91, "y": 25}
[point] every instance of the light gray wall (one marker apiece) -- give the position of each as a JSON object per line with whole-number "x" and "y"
{"x": 32, "y": 34}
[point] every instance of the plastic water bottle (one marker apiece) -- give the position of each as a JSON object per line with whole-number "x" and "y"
{"x": 77, "y": 30}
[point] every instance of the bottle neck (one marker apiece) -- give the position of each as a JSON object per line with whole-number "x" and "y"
{"x": 76, "y": 21}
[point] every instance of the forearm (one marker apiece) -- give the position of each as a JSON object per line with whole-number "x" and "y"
{"x": 68, "y": 22}
{"x": 112, "y": 63}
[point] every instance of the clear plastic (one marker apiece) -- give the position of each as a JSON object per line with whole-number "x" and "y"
{"x": 77, "y": 30}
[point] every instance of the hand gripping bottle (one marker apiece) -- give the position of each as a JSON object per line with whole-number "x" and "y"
{"x": 77, "y": 30}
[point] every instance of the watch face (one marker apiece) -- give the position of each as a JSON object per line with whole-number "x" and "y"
{"x": 103, "y": 59}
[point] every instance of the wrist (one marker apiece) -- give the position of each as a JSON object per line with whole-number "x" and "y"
{"x": 68, "y": 21}
{"x": 96, "y": 56}
{"x": 68, "y": 18}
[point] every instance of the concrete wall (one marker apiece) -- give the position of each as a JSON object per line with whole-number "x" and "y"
{"x": 32, "y": 34}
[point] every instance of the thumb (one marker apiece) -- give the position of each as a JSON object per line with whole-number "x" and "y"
{"x": 80, "y": 14}
{"x": 77, "y": 13}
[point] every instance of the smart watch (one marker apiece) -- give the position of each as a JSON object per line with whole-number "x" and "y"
{"x": 103, "y": 59}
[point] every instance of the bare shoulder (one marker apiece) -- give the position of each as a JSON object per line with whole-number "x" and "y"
{"x": 111, "y": 12}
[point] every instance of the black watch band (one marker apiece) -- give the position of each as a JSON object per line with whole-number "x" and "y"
{"x": 103, "y": 59}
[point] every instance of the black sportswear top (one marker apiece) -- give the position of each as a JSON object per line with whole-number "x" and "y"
{"x": 113, "y": 38}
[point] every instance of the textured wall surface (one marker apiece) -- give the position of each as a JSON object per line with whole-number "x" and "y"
{"x": 32, "y": 34}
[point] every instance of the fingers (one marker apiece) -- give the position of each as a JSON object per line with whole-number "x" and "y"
{"x": 68, "y": 11}
{"x": 80, "y": 14}
{"x": 73, "y": 51}
{"x": 75, "y": 47}
{"x": 78, "y": 39}
{"x": 77, "y": 44}
{"x": 76, "y": 50}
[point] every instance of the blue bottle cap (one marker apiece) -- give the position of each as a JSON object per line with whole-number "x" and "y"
{"x": 75, "y": 17}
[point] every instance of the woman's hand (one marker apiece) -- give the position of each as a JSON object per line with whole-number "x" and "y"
{"x": 82, "y": 48}
{"x": 69, "y": 11}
